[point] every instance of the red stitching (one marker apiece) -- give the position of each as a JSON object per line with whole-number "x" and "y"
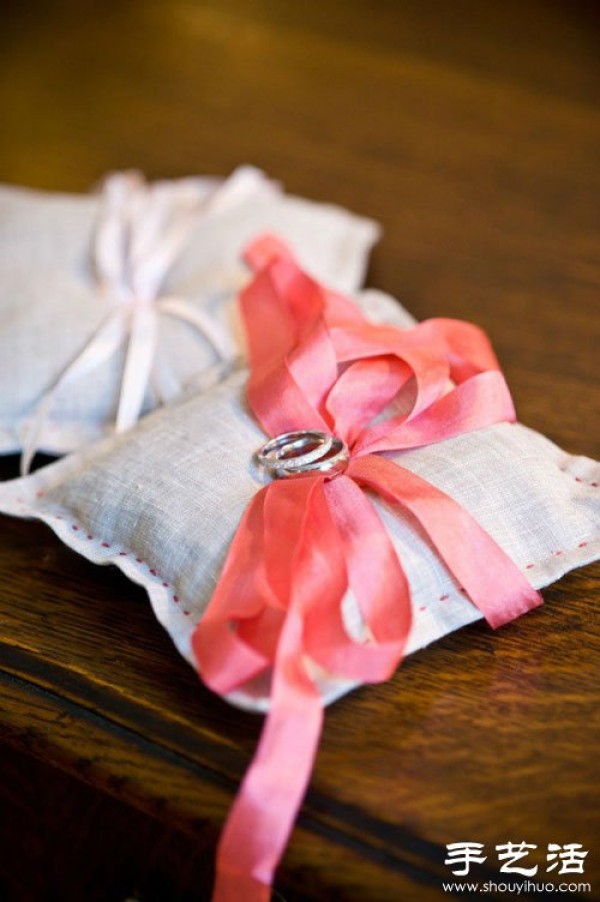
{"x": 124, "y": 554}
{"x": 594, "y": 484}
{"x": 177, "y": 599}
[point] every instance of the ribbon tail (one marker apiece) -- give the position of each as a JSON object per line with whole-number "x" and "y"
{"x": 358, "y": 637}
{"x": 223, "y": 641}
{"x": 262, "y": 817}
{"x": 163, "y": 382}
{"x": 102, "y": 345}
{"x": 368, "y": 643}
{"x": 490, "y": 578}
{"x": 138, "y": 365}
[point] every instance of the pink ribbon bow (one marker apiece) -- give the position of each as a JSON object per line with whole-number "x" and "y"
{"x": 140, "y": 231}
{"x": 276, "y": 614}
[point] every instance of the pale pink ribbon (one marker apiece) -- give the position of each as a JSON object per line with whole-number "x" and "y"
{"x": 141, "y": 230}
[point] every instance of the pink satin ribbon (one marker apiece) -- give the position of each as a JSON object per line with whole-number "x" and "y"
{"x": 140, "y": 232}
{"x": 276, "y": 615}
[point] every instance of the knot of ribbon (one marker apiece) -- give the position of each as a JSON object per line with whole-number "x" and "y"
{"x": 140, "y": 231}
{"x": 276, "y": 615}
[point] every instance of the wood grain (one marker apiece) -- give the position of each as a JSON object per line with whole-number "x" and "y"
{"x": 472, "y": 132}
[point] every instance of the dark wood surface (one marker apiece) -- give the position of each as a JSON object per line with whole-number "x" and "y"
{"x": 471, "y": 130}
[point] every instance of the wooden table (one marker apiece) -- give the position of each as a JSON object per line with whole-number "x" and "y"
{"x": 471, "y": 130}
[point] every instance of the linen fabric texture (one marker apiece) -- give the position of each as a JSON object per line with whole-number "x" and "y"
{"x": 164, "y": 501}
{"x": 54, "y": 249}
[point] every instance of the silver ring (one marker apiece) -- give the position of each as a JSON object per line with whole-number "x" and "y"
{"x": 286, "y": 450}
{"x": 304, "y": 451}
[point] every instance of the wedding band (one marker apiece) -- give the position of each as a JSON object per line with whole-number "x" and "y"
{"x": 304, "y": 451}
{"x": 282, "y": 451}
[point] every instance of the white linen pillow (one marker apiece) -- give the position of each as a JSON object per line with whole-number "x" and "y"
{"x": 51, "y": 306}
{"x": 164, "y": 501}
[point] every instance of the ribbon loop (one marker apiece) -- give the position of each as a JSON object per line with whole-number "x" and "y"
{"x": 490, "y": 578}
